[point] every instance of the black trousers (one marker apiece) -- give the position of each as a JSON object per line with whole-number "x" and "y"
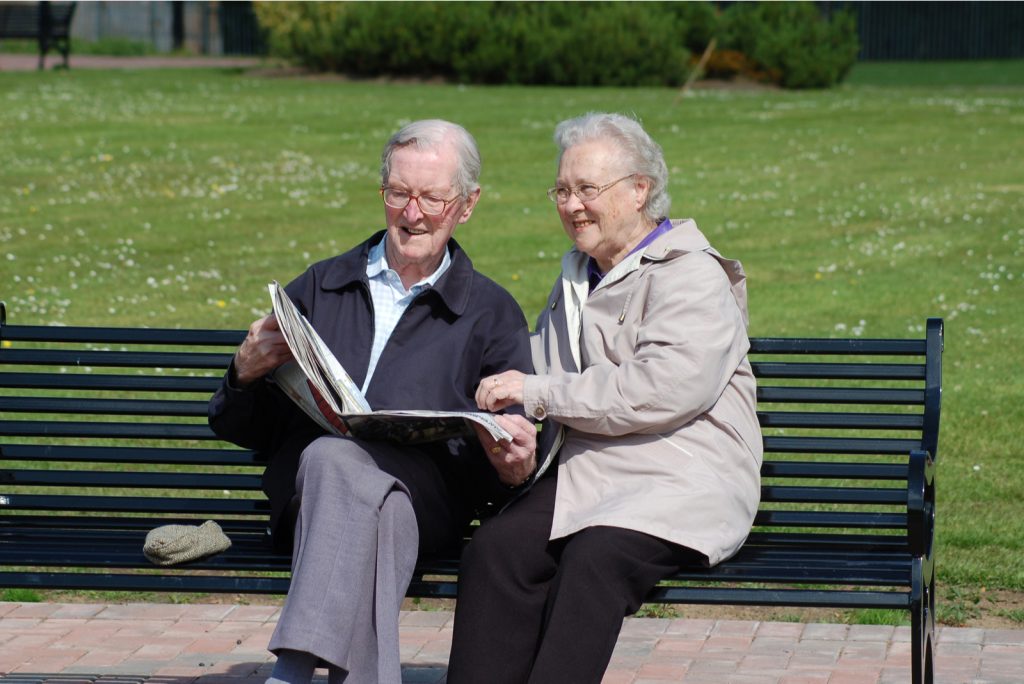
{"x": 540, "y": 612}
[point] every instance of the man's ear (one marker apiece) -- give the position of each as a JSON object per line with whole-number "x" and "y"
{"x": 471, "y": 201}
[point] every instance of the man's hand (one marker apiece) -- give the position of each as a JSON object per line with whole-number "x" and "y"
{"x": 500, "y": 391}
{"x": 515, "y": 461}
{"x": 262, "y": 350}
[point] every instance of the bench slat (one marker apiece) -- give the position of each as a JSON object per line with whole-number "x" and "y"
{"x": 830, "y": 519}
{"x": 125, "y": 359}
{"x": 834, "y": 495}
{"x": 32, "y": 526}
{"x": 805, "y": 598}
{"x": 120, "y": 454}
{"x": 847, "y": 471}
{"x": 839, "y": 395}
{"x": 845, "y": 347}
{"x": 138, "y": 582}
{"x": 153, "y": 336}
{"x": 837, "y": 420}
{"x": 837, "y": 371}
{"x": 40, "y": 428}
{"x": 136, "y": 504}
{"x": 113, "y": 407}
{"x": 840, "y": 445}
{"x": 108, "y": 382}
{"x": 118, "y": 479}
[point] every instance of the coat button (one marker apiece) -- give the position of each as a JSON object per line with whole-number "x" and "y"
{"x": 539, "y": 413}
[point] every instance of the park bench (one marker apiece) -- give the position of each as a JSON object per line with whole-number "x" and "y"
{"x": 103, "y": 436}
{"x": 49, "y": 23}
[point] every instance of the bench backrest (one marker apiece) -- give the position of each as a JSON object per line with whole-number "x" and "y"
{"x": 36, "y": 19}
{"x": 112, "y": 422}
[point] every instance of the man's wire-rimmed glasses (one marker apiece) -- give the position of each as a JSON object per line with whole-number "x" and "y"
{"x": 428, "y": 204}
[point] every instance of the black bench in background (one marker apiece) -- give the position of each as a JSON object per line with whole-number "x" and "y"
{"x": 47, "y": 22}
{"x": 103, "y": 436}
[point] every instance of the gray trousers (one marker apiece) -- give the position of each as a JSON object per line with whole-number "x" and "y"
{"x": 356, "y": 542}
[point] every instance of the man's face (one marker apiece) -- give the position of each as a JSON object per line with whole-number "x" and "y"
{"x": 416, "y": 241}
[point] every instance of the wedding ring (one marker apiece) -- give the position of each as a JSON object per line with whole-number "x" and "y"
{"x": 495, "y": 449}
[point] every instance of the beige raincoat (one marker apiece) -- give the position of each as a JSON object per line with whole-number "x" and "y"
{"x": 649, "y": 377}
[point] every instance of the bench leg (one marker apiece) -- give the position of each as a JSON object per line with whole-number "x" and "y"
{"x": 64, "y": 47}
{"x": 922, "y": 622}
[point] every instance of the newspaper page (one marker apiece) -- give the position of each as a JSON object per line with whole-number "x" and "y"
{"x": 321, "y": 387}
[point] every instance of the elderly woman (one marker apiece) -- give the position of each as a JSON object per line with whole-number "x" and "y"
{"x": 641, "y": 360}
{"x": 416, "y": 326}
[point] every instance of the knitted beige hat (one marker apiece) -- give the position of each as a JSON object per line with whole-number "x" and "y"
{"x": 173, "y": 544}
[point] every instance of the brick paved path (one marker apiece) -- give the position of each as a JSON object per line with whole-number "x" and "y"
{"x": 225, "y": 644}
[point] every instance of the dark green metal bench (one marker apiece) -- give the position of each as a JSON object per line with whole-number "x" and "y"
{"x": 103, "y": 436}
{"x": 49, "y": 23}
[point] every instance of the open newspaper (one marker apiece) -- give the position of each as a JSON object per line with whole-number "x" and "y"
{"x": 321, "y": 387}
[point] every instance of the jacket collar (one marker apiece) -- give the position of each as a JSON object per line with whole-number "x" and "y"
{"x": 453, "y": 287}
{"x": 683, "y": 239}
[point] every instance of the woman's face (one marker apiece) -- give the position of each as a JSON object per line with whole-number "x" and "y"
{"x": 610, "y": 225}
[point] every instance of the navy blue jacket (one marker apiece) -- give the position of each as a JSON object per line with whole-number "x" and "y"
{"x": 452, "y": 335}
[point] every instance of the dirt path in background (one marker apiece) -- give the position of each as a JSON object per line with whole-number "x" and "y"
{"x": 27, "y": 62}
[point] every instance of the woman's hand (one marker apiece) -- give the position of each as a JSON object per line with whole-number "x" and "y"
{"x": 515, "y": 461}
{"x": 500, "y": 391}
{"x": 262, "y": 350}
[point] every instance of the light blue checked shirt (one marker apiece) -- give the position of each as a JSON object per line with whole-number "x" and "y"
{"x": 390, "y": 298}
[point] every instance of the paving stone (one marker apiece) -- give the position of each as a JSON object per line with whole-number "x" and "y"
{"x": 142, "y": 643}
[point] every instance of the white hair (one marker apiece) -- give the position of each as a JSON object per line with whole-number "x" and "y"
{"x": 431, "y": 134}
{"x": 640, "y": 152}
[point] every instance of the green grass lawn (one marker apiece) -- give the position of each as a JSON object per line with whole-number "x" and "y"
{"x": 170, "y": 198}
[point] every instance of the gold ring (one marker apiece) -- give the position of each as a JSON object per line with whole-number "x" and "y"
{"x": 495, "y": 449}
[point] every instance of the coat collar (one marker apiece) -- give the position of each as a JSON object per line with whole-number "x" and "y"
{"x": 683, "y": 239}
{"x": 453, "y": 287}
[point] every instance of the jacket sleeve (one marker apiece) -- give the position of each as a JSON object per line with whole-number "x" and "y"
{"x": 259, "y": 416}
{"x": 689, "y": 343}
{"x": 509, "y": 345}
{"x": 508, "y": 348}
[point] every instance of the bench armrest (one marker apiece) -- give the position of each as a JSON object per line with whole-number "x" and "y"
{"x": 921, "y": 503}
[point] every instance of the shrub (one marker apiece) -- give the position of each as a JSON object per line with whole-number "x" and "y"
{"x": 307, "y": 33}
{"x": 792, "y": 42}
{"x": 483, "y": 42}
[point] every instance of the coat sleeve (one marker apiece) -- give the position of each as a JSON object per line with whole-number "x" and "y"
{"x": 690, "y": 341}
{"x": 259, "y": 416}
{"x": 509, "y": 346}
{"x": 506, "y": 346}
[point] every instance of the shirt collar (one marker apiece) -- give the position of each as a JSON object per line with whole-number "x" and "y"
{"x": 377, "y": 263}
{"x": 453, "y": 286}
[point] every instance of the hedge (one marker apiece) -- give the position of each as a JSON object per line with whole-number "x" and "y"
{"x": 562, "y": 43}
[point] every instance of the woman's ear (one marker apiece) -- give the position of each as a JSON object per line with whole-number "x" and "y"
{"x": 642, "y": 185}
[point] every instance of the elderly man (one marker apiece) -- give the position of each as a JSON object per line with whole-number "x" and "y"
{"x": 416, "y": 327}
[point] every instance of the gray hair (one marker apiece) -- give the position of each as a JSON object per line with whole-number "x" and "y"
{"x": 430, "y": 134}
{"x": 640, "y": 153}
